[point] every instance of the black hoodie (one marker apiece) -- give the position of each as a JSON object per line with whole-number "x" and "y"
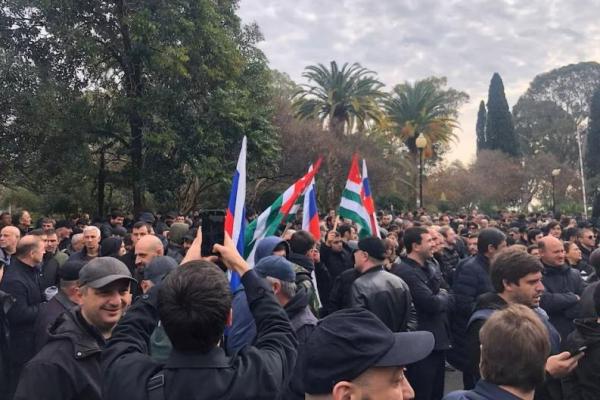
{"x": 584, "y": 382}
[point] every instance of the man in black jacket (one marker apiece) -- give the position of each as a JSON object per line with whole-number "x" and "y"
{"x": 193, "y": 304}
{"x": 584, "y": 382}
{"x": 375, "y": 289}
{"x": 68, "y": 296}
{"x": 21, "y": 281}
{"x": 563, "y": 284}
{"x": 432, "y": 305}
{"x": 6, "y": 302}
{"x": 280, "y": 273}
{"x": 336, "y": 254}
{"x": 68, "y": 366}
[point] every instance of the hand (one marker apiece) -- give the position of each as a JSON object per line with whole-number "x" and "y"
{"x": 230, "y": 256}
{"x": 562, "y": 364}
{"x": 330, "y": 238}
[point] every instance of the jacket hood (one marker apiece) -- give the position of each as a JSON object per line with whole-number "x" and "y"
{"x": 490, "y": 301}
{"x": 266, "y": 246}
{"x": 301, "y": 260}
{"x": 71, "y": 326}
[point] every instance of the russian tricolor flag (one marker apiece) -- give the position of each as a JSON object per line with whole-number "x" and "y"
{"x": 235, "y": 217}
{"x": 310, "y": 214}
{"x": 368, "y": 202}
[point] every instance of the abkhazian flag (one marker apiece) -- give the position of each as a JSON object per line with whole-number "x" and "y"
{"x": 235, "y": 218}
{"x": 267, "y": 223}
{"x": 310, "y": 214}
{"x": 351, "y": 206}
{"x": 367, "y": 200}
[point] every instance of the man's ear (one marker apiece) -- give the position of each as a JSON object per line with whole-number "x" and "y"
{"x": 276, "y": 287}
{"x": 344, "y": 390}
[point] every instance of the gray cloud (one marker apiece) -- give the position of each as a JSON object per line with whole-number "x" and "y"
{"x": 465, "y": 40}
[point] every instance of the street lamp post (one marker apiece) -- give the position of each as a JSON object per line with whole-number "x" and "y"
{"x": 421, "y": 142}
{"x": 555, "y": 173}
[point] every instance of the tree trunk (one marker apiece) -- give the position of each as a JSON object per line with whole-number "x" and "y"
{"x": 137, "y": 162}
{"x": 414, "y": 157}
{"x": 101, "y": 183}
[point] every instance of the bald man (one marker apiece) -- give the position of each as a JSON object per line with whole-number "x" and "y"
{"x": 9, "y": 236}
{"x": 563, "y": 285}
{"x": 146, "y": 249}
{"x": 21, "y": 281}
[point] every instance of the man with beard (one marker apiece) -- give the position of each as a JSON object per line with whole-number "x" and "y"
{"x": 517, "y": 279}
{"x": 432, "y": 304}
{"x": 68, "y": 366}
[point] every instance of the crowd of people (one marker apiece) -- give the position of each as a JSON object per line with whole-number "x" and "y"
{"x": 131, "y": 308}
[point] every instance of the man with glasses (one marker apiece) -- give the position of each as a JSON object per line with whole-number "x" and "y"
{"x": 586, "y": 240}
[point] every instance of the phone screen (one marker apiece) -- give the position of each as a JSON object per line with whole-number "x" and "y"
{"x": 213, "y": 230}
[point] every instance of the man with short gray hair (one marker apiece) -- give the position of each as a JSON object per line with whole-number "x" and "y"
{"x": 280, "y": 273}
{"x": 91, "y": 243}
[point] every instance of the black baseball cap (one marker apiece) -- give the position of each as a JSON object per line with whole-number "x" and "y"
{"x": 102, "y": 271}
{"x": 356, "y": 340}
{"x": 373, "y": 246}
{"x": 69, "y": 271}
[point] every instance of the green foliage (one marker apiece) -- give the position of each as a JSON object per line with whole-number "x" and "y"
{"x": 570, "y": 87}
{"x": 499, "y": 129}
{"x": 592, "y": 161}
{"x": 544, "y": 127}
{"x": 163, "y": 91}
{"x": 346, "y": 98}
{"x": 424, "y": 107}
{"x": 480, "y": 127}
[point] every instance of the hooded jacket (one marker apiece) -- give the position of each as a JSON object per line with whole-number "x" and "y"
{"x": 584, "y": 382}
{"x": 304, "y": 267}
{"x": 266, "y": 246}
{"x": 68, "y": 366}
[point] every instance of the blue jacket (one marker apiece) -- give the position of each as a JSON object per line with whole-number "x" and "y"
{"x": 483, "y": 391}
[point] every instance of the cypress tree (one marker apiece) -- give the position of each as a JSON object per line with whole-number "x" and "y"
{"x": 592, "y": 161}
{"x": 480, "y": 127}
{"x": 499, "y": 129}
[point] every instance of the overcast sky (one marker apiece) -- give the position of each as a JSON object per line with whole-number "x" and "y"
{"x": 464, "y": 40}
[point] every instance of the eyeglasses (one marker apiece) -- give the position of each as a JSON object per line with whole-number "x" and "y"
{"x": 336, "y": 242}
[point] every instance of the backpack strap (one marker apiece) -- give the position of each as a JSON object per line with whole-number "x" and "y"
{"x": 156, "y": 387}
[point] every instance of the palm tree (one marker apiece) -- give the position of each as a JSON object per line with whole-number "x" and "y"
{"x": 344, "y": 99}
{"x": 423, "y": 107}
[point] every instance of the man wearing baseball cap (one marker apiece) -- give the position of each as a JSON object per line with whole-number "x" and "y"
{"x": 352, "y": 354}
{"x": 68, "y": 366}
{"x": 379, "y": 291}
